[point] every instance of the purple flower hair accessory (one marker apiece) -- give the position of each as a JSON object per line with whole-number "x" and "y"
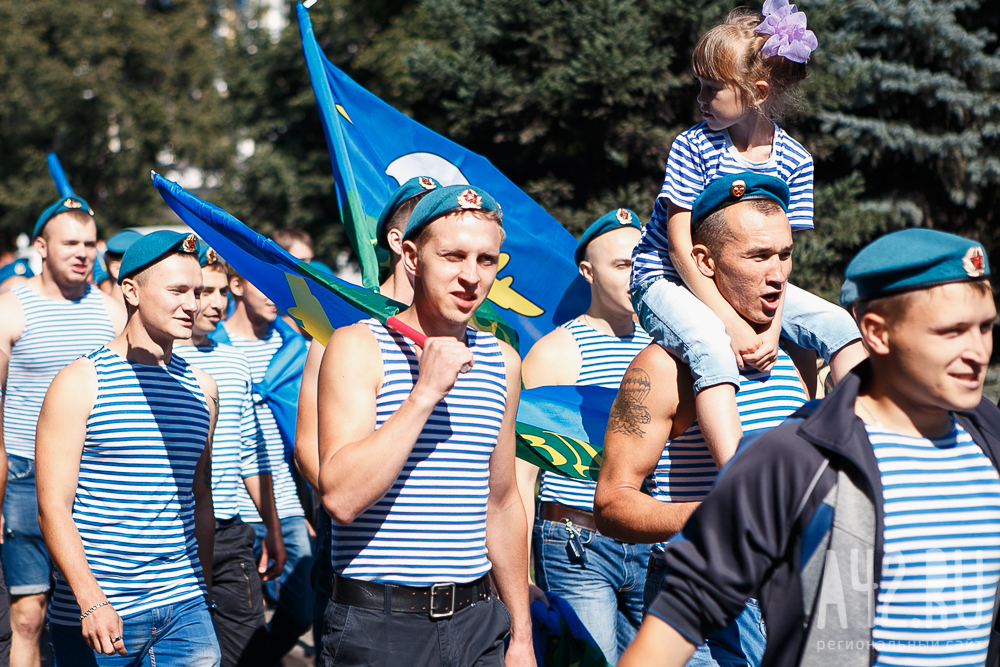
{"x": 787, "y": 27}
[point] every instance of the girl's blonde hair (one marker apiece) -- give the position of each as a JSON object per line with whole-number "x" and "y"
{"x": 731, "y": 53}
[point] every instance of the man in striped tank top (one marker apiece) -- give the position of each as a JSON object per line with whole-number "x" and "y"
{"x": 417, "y": 462}
{"x": 239, "y": 459}
{"x": 124, "y": 479}
{"x": 601, "y": 578}
{"x": 255, "y": 329}
{"x": 45, "y": 324}
{"x": 743, "y": 243}
{"x": 870, "y": 528}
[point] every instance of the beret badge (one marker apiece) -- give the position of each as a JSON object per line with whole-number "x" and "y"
{"x": 738, "y": 189}
{"x": 426, "y": 183}
{"x": 189, "y": 244}
{"x": 20, "y": 269}
{"x": 623, "y": 216}
{"x": 211, "y": 257}
{"x": 469, "y": 200}
{"x": 974, "y": 262}
{"x": 72, "y": 203}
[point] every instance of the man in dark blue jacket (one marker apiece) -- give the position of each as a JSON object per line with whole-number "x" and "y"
{"x": 869, "y": 530}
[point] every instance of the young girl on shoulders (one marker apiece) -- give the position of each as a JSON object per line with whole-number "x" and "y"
{"x": 747, "y": 68}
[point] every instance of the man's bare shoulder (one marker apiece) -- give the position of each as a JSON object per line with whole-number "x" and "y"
{"x": 511, "y": 361}
{"x": 553, "y": 359}
{"x": 354, "y": 339}
{"x": 11, "y": 317}
{"x": 658, "y": 364}
{"x": 77, "y": 380}
{"x": 207, "y": 383}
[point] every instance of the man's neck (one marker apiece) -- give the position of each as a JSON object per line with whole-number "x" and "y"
{"x": 430, "y": 324}
{"x": 246, "y": 327}
{"x": 609, "y": 321}
{"x": 884, "y": 404}
{"x": 139, "y": 345}
{"x": 398, "y": 286}
{"x": 198, "y": 338}
{"x": 47, "y": 286}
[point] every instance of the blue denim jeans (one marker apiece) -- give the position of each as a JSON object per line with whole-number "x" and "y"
{"x": 605, "y": 589}
{"x": 293, "y": 591}
{"x": 740, "y": 644}
{"x": 25, "y": 557}
{"x": 687, "y": 328}
{"x": 178, "y": 635}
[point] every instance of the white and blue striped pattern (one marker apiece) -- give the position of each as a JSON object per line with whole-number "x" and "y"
{"x": 286, "y": 499}
{"x": 134, "y": 504}
{"x": 56, "y": 333}
{"x": 237, "y": 444}
{"x": 697, "y": 157}
{"x": 941, "y": 501}
{"x": 430, "y": 526}
{"x": 604, "y": 362}
{"x": 686, "y": 472}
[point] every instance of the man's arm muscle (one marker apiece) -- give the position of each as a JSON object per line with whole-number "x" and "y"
{"x": 204, "y": 512}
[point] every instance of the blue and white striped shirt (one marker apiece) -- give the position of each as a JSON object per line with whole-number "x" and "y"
{"x": 941, "y": 501}
{"x": 604, "y": 362}
{"x": 134, "y": 504}
{"x": 56, "y": 333}
{"x": 430, "y": 527}
{"x": 286, "y": 498}
{"x": 697, "y": 157}
{"x": 686, "y": 471}
{"x": 237, "y": 445}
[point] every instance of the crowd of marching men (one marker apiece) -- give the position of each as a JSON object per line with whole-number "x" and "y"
{"x": 157, "y": 494}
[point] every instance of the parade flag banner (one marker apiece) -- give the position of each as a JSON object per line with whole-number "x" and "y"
{"x": 562, "y": 428}
{"x": 375, "y": 148}
{"x": 59, "y": 176}
{"x": 320, "y": 302}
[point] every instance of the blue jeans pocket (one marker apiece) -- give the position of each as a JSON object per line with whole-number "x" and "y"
{"x": 19, "y": 469}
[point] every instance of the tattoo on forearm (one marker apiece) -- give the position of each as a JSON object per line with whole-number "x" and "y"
{"x": 629, "y": 411}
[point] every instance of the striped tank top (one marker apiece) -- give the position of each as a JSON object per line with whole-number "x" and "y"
{"x": 55, "y": 334}
{"x": 604, "y": 362}
{"x": 237, "y": 444}
{"x": 430, "y": 527}
{"x": 941, "y": 522}
{"x": 686, "y": 471}
{"x": 286, "y": 498}
{"x": 134, "y": 505}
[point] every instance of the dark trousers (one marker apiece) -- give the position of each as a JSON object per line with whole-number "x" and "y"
{"x": 239, "y": 616}
{"x": 322, "y": 574}
{"x": 356, "y": 637}
{"x": 4, "y": 622}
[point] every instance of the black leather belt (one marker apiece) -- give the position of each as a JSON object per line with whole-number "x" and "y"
{"x": 560, "y": 512}
{"x": 437, "y": 601}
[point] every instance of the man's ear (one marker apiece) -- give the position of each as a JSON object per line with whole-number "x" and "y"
{"x": 130, "y": 290}
{"x": 410, "y": 257}
{"x": 875, "y": 333}
{"x": 587, "y": 271}
{"x": 236, "y": 286}
{"x": 41, "y": 247}
{"x": 703, "y": 260}
{"x": 394, "y": 239}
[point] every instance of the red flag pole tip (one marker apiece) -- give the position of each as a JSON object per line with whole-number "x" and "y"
{"x": 414, "y": 335}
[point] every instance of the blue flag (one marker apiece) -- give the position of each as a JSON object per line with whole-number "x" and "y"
{"x": 375, "y": 148}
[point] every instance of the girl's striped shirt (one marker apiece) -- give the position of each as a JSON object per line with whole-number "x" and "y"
{"x": 134, "y": 504}
{"x": 686, "y": 471}
{"x": 55, "y": 334}
{"x": 605, "y": 359}
{"x": 941, "y": 522}
{"x": 430, "y": 527}
{"x": 699, "y": 156}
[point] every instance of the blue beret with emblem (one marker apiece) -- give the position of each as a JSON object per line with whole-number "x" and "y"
{"x": 913, "y": 259}
{"x": 153, "y": 247}
{"x": 19, "y": 267}
{"x": 68, "y": 203}
{"x": 415, "y": 187}
{"x": 735, "y": 188}
{"x": 450, "y": 199}
{"x": 207, "y": 254}
{"x": 120, "y": 242}
{"x": 610, "y": 221}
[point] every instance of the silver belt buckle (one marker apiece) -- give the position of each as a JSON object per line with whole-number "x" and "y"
{"x": 432, "y": 607}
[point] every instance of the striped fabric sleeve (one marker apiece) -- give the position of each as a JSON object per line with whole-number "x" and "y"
{"x": 685, "y": 176}
{"x": 253, "y": 449}
{"x": 800, "y": 186}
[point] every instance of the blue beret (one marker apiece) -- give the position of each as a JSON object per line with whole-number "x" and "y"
{"x": 19, "y": 267}
{"x": 153, "y": 247}
{"x": 120, "y": 242}
{"x": 415, "y": 187}
{"x": 913, "y": 259}
{"x": 207, "y": 254}
{"x": 610, "y": 221}
{"x": 443, "y": 201}
{"x": 70, "y": 203}
{"x": 734, "y": 188}
{"x": 320, "y": 266}
{"x": 100, "y": 273}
